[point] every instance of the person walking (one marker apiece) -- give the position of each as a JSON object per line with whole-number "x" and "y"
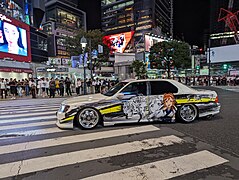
{"x": 52, "y": 86}
{"x": 68, "y": 86}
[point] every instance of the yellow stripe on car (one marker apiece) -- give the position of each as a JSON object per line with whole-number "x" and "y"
{"x": 68, "y": 119}
{"x": 111, "y": 110}
{"x": 202, "y": 100}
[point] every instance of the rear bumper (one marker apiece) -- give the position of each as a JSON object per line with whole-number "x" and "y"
{"x": 209, "y": 109}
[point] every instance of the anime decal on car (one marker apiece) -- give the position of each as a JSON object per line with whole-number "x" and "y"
{"x": 161, "y": 107}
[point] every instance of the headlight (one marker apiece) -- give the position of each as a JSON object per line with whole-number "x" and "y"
{"x": 64, "y": 108}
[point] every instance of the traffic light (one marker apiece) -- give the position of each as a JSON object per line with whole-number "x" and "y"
{"x": 197, "y": 67}
{"x": 225, "y": 66}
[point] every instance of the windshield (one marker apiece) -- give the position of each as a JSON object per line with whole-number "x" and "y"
{"x": 115, "y": 89}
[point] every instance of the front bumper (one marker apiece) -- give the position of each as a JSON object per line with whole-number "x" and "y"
{"x": 209, "y": 109}
{"x": 64, "y": 121}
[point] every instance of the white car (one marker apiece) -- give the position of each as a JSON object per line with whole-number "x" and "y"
{"x": 138, "y": 100}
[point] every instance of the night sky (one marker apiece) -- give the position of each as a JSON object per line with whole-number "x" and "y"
{"x": 191, "y": 20}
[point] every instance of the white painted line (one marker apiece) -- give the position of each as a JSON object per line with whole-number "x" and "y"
{"x": 74, "y": 139}
{"x": 27, "y": 119}
{"x": 28, "y": 114}
{"x": 43, "y": 163}
{"x": 36, "y": 109}
{"x": 165, "y": 169}
{"x": 10, "y": 127}
{"x": 35, "y": 132}
{"x": 9, "y": 109}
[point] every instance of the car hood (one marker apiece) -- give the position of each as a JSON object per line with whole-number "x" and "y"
{"x": 85, "y": 99}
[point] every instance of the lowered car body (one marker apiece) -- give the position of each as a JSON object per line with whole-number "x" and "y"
{"x": 137, "y": 101}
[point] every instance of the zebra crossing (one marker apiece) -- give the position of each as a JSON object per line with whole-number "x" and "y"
{"x": 32, "y": 147}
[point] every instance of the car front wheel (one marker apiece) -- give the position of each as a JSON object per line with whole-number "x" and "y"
{"x": 188, "y": 113}
{"x": 88, "y": 118}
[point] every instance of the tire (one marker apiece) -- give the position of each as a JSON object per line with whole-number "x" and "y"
{"x": 88, "y": 118}
{"x": 188, "y": 113}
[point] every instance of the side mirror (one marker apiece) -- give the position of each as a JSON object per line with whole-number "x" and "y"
{"x": 120, "y": 96}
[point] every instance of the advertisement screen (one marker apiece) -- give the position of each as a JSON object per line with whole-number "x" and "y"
{"x": 118, "y": 42}
{"x": 150, "y": 41}
{"x": 224, "y": 54}
{"x": 14, "y": 39}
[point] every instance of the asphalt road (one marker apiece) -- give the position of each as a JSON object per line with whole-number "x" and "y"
{"x": 32, "y": 147}
{"x": 223, "y": 129}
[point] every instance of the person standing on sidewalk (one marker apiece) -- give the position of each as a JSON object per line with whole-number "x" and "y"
{"x": 3, "y": 88}
{"x": 32, "y": 84}
{"x": 52, "y": 86}
{"x": 78, "y": 86}
{"x": 61, "y": 86}
{"x": 68, "y": 86}
{"x": 47, "y": 86}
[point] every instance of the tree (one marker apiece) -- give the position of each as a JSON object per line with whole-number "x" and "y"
{"x": 139, "y": 68}
{"x": 164, "y": 55}
{"x": 74, "y": 48}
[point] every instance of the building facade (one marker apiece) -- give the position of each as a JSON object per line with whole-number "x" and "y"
{"x": 221, "y": 33}
{"x": 62, "y": 18}
{"x": 140, "y": 16}
{"x": 25, "y": 16}
{"x": 126, "y": 23}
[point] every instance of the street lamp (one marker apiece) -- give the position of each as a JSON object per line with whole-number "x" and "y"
{"x": 83, "y": 42}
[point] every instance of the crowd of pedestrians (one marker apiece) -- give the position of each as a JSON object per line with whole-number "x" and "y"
{"x": 45, "y": 87}
{"x": 206, "y": 81}
{"x": 50, "y": 88}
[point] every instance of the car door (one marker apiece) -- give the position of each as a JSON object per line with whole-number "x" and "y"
{"x": 161, "y": 101}
{"x": 135, "y": 100}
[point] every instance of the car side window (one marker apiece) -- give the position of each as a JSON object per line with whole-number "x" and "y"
{"x": 136, "y": 88}
{"x": 161, "y": 87}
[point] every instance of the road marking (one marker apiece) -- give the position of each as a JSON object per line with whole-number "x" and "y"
{"x": 13, "y": 112}
{"x": 28, "y": 114}
{"x": 28, "y": 119}
{"x": 75, "y": 139}
{"x": 165, "y": 169}
{"x": 34, "y": 132}
{"x": 43, "y": 163}
{"x": 10, "y": 127}
{"x": 9, "y": 109}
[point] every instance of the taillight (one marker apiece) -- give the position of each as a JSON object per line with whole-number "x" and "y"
{"x": 216, "y": 100}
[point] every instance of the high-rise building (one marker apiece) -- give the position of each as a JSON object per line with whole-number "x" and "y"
{"x": 24, "y": 17}
{"x": 62, "y": 18}
{"x": 140, "y": 16}
{"x": 221, "y": 32}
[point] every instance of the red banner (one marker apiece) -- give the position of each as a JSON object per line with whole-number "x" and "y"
{"x": 17, "y": 70}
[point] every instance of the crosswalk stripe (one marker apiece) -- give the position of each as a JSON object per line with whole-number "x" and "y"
{"x": 29, "y": 118}
{"x": 75, "y": 139}
{"x": 14, "y": 116}
{"x": 165, "y": 169}
{"x": 29, "y": 109}
{"x": 43, "y": 163}
{"x": 36, "y": 132}
{"x": 27, "y": 125}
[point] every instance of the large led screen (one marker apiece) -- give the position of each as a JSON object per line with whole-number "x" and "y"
{"x": 118, "y": 42}
{"x": 224, "y": 54}
{"x": 14, "y": 39}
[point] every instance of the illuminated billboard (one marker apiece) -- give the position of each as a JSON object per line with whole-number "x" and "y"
{"x": 150, "y": 41}
{"x": 223, "y": 54}
{"x": 118, "y": 42}
{"x": 14, "y": 39}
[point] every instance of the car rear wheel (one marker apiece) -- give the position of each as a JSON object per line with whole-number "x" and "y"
{"x": 188, "y": 113}
{"x": 88, "y": 118}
